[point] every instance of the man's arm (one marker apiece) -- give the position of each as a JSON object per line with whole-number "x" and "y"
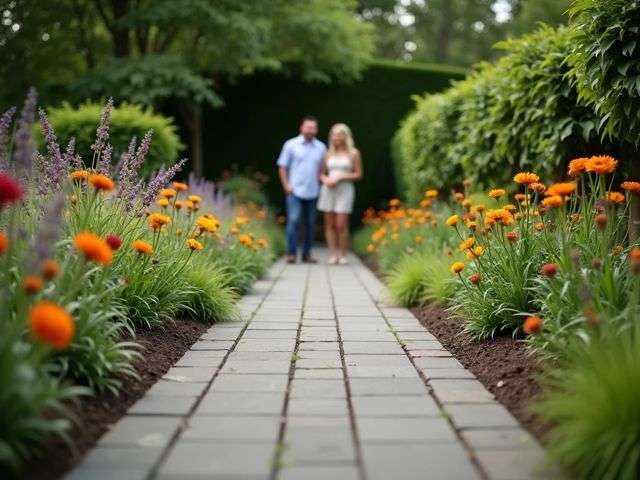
{"x": 284, "y": 179}
{"x": 284, "y": 161}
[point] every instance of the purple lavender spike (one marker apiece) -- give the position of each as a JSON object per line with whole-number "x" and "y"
{"x": 102, "y": 132}
{"x": 71, "y": 157}
{"x": 23, "y": 150}
{"x": 105, "y": 160}
{"x": 49, "y": 230}
{"x": 57, "y": 166}
{"x": 5, "y": 125}
{"x": 160, "y": 181}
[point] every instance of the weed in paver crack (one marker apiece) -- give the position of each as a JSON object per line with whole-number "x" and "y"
{"x": 443, "y": 413}
{"x": 295, "y": 356}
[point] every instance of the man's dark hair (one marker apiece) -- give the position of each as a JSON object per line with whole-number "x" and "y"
{"x": 309, "y": 118}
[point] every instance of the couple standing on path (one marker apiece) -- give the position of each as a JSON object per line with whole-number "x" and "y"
{"x": 313, "y": 177}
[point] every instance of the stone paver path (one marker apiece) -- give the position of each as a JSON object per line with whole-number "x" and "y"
{"x": 321, "y": 379}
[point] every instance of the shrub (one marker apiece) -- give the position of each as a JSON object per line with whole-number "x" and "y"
{"x": 127, "y": 121}
{"x": 592, "y": 402}
{"x": 209, "y": 300}
{"x": 243, "y": 189}
{"x": 606, "y": 63}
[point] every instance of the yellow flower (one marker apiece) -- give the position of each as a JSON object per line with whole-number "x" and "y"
{"x": 242, "y": 220}
{"x": 478, "y": 251}
{"x": 180, "y": 187}
{"x": 178, "y": 204}
{"x": 194, "y": 244}
{"x": 467, "y": 244}
{"x": 206, "y": 224}
{"x": 499, "y": 215}
{"x": 453, "y": 220}
{"x": 497, "y": 193}
{"x": 167, "y": 193}
{"x": 163, "y": 203}
{"x": 195, "y": 198}
{"x": 371, "y": 248}
{"x": 457, "y": 267}
{"x": 525, "y": 178}
{"x": 158, "y": 220}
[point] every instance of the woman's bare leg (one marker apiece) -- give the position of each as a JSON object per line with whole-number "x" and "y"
{"x": 330, "y": 233}
{"x": 342, "y": 229}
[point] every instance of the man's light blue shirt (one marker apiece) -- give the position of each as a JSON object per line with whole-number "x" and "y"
{"x": 302, "y": 160}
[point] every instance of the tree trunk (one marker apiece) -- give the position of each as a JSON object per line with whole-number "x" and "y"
{"x": 444, "y": 33}
{"x": 120, "y": 35}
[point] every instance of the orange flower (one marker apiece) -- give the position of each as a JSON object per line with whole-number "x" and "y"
{"x": 158, "y": 220}
{"x": 79, "y": 175}
{"x": 371, "y": 248}
{"x": 577, "y": 166}
{"x": 245, "y": 239}
{"x": 419, "y": 239}
{"x": 394, "y": 202}
{"x": 475, "y": 278}
{"x": 93, "y": 247}
{"x": 537, "y": 187}
{"x": 601, "y": 164}
{"x": 195, "y": 199}
{"x": 194, "y": 244}
{"x": 553, "y": 201}
{"x": 178, "y": 205}
{"x": 478, "y": 251}
{"x": 32, "y": 284}
{"x": 50, "y": 269}
{"x": 263, "y": 242}
{"x": 497, "y": 193}
{"x": 631, "y": 186}
{"x": 563, "y": 189}
{"x": 4, "y": 243}
{"x": 51, "y": 324}
{"x": 431, "y": 193}
{"x": 615, "y": 197}
{"x": 499, "y": 215}
{"x": 510, "y": 208}
{"x": 532, "y": 325}
{"x": 210, "y": 225}
{"x": 457, "y": 267}
{"x": 511, "y": 236}
{"x": 635, "y": 253}
{"x": 459, "y": 196}
{"x": 453, "y": 220}
{"x": 477, "y": 208}
{"x": 143, "y": 247}
{"x": 525, "y": 178}
{"x": 180, "y": 186}
{"x": 167, "y": 193}
{"x": 539, "y": 226}
{"x": 467, "y": 244}
{"x": 101, "y": 182}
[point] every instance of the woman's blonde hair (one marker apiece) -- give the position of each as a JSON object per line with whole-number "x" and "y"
{"x": 349, "y": 144}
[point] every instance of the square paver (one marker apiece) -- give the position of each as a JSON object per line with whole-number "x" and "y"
{"x": 246, "y": 366}
{"x": 372, "y": 347}
{"x": 317, "y": 373}
{"x": 141, "y": 431}
{"x": 481, "y": 415}
{"x": 250, "y": 383}
{"x": 394, "y": 430}
{"x": 490, "y": 438}
{"x": 315, "y": 388}
{"x": 317, "y": 446}
{"x": 190, "y": 374}
{"x": 463, "y": 391}
{"x": 229, "y": 403}
{"x": 162, "y": 405}
{"x": 387, "y": 386}
{"x": 428, "y": 363}
{"x": 232, "y": 428}
{"x": 320, "y": 472}
{"x": 410, "y": 406}
{"x": 318, "y": 407}
{"x": 516, "y": 464}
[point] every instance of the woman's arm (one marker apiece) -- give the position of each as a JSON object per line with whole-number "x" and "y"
{"x": 357, "y": 172}
{"x": 324, "y": 178}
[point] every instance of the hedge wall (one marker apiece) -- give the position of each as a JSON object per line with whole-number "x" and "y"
{"x": 265, "y": 109}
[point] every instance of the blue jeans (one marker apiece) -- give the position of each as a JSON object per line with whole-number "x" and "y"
{"x": 300, "y": 210}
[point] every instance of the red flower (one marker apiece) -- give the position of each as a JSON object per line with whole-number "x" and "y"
{"x": 475, "y": 279}
{"x": 549, "y": 269}
{"x": 113, "y": 241}
{"x": 10, "y": 190}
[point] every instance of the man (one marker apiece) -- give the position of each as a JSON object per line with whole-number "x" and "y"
{"x": 299, "y": 165}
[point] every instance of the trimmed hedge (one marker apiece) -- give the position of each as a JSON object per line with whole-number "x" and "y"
{"x": 523, "y": 112}
{"x": 265, "y": 109}
{"x": 127, "y": 121}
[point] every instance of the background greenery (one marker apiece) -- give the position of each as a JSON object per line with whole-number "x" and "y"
{"x": 265, "y": 110}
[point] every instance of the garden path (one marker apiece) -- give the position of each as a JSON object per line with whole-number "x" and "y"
{"x": 321, "y": 379}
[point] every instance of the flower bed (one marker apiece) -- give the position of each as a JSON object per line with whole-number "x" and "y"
{"x": 93, "y": 253}
{"x": 555, "y": 269}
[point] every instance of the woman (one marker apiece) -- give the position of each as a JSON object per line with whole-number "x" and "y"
{"x": 341, "y": 166}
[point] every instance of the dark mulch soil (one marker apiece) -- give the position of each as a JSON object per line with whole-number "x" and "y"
{"x": 162, "y": 348}
{"x": 503, "y": 365}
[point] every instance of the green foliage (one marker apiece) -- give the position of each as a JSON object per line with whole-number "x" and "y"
{"x": 372, "y": 107}
{"x": 127, "y": 121}
{"x": 521, "y": 113}
{"x": 243, "y": 188}
{"x": 606, "y": 63}
{"x": 592, "y": 402}
{"x": 209, "y": 300}
{"x": 421, "y": 277}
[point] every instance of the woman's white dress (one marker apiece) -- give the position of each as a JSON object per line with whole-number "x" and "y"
{"x": 339, "y": 198}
